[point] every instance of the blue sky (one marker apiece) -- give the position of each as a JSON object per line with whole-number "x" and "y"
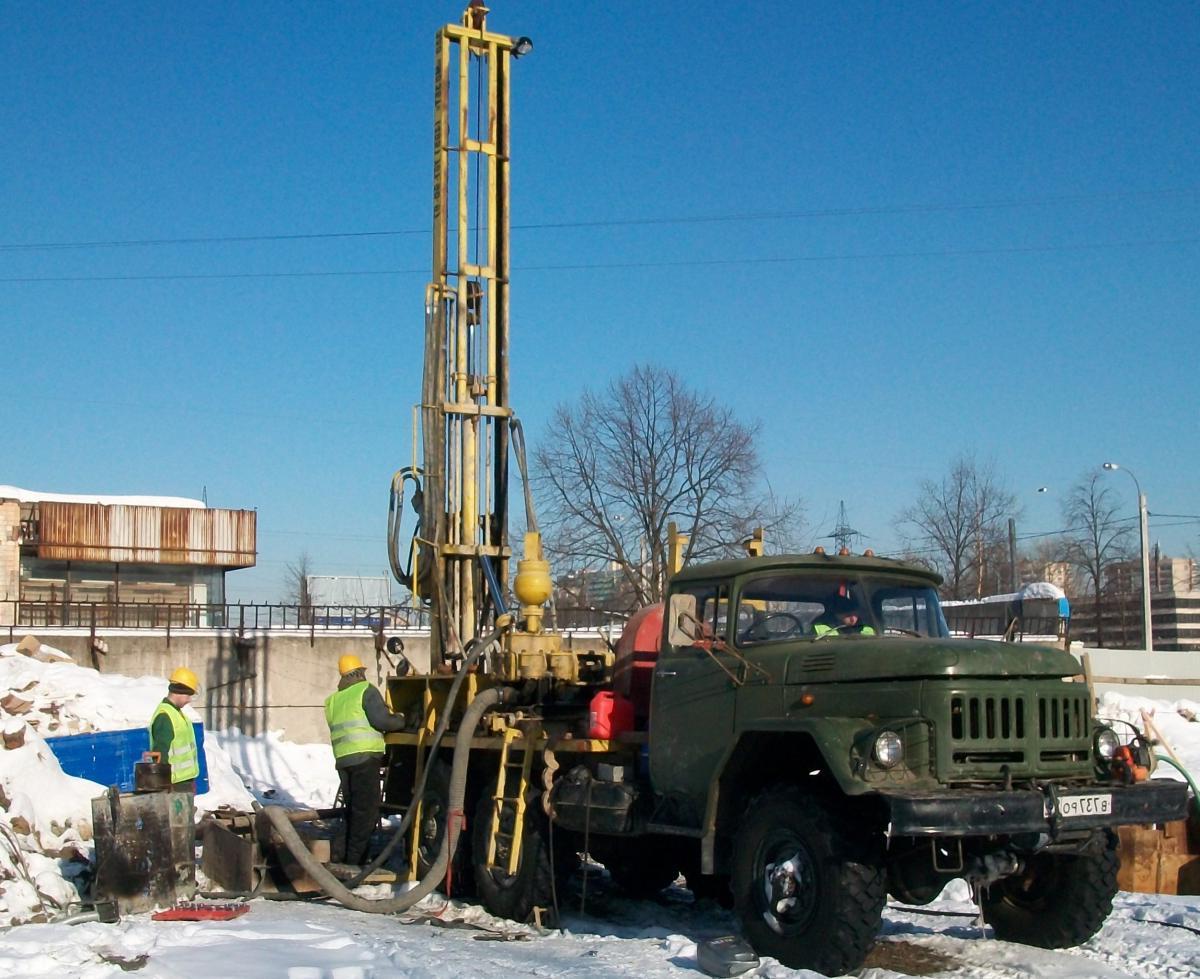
{"x": 926, "y": 229}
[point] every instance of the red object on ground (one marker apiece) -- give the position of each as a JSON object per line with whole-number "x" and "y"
{"x": 637, "y": 652}
{"x": 201, "y": 912}
{"x": 610, "y": 715}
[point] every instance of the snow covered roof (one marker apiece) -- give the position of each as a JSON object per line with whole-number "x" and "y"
{"x": 1035, "y": 589}
{"x": 33, "y": 496}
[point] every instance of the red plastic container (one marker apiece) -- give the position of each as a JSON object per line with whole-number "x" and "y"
{"x": 609, "y": 714}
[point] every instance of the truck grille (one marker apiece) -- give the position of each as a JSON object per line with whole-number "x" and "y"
{"x": 989, "y": 733}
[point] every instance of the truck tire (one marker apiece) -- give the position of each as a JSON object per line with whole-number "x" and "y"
{"x": 513, "y": 896}
{"x": 805, "y": 890}
{"x": 435, "y": 803}
{"x": 1058, "y": 901}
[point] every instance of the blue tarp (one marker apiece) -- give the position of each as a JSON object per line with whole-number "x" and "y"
{"x": 108, "y": 757}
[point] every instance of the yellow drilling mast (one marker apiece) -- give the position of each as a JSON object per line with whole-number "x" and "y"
{"x": 460, "y": 554}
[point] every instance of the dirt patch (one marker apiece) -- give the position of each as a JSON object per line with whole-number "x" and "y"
{"x": 911, "y": 959}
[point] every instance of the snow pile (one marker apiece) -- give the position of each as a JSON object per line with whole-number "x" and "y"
{"x": 45, "y": 814}
{"x": 279, "y": 771}
{"x": 45, "y": 828}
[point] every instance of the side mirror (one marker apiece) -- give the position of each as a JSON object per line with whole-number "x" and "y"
{"x": 681, "y": 629}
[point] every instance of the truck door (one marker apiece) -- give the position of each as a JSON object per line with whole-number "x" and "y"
{"x": 692, "y": 706}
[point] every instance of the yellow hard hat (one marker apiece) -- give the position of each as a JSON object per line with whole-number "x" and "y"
{"x": 349, "y": 662}
{"x": 186, "y": 678}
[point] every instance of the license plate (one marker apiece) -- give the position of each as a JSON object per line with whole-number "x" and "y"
{"x": 1099, "y": 804}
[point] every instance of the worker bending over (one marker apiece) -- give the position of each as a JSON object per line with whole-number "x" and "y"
{"x": 172, "y": 734}
{"x": 357, "y": 718}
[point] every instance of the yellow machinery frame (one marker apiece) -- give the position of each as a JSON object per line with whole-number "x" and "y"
{"x": 465, "y": 409}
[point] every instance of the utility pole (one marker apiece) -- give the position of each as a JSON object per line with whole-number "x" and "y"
{"x": 1012, "y": 554}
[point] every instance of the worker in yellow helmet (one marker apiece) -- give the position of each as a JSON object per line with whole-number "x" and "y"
{"x": 172, "y": 734}
{"x": 358, "y": 718}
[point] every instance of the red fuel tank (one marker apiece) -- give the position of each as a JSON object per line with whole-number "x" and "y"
{"x": 637, "y": 652}
{"x": 609, "y": 714}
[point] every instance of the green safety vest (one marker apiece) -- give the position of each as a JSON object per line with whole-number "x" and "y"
{"x": 183, "y": 757}
{"x": 821, "y": 629}
{"x": 349, "y": 730}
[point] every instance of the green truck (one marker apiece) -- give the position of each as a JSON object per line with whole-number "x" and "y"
{"x": 807, "y": 739}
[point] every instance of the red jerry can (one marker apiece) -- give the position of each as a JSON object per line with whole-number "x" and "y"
{"x": 609, "y": 714}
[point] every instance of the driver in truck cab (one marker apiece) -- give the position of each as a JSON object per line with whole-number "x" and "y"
{"x": 842, "y": 616}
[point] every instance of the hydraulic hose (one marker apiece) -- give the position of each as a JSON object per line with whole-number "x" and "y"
{"x": 1187, "y": 777}
{"x": 484, "y": 702}
{"x": 474, "y": 650}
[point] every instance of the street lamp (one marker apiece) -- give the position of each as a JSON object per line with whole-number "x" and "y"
{"x": 1144, "y": 520}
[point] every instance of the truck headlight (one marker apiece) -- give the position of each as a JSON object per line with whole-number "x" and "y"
{"x": 1106, "y": 742}
{"x": 888, "y": 750}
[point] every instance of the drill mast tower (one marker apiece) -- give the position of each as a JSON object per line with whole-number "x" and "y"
{"x": 459, "y": 561}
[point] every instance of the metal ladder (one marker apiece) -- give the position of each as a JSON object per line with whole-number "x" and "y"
{"x": 509, "y": 800}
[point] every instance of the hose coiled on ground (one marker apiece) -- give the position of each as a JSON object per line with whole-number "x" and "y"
{"x": 342, "y": 893}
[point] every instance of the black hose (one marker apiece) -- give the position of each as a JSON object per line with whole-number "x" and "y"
{"x": 474, "y": 650}
{"x": 340, "y": 892}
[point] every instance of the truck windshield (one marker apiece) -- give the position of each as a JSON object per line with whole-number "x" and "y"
{"x": 787, "y": 606}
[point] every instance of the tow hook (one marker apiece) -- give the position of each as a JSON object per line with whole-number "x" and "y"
{"x": 991, "y": 867}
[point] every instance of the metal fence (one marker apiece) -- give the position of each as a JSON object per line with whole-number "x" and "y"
{"x": 970, "y": 626}
{"x": 260, "y": 617}
{"x": 240, "y": 616}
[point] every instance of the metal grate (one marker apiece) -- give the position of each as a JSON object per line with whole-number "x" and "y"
{"x": 1062, "y": 718}
{"x": 987, "y": 717}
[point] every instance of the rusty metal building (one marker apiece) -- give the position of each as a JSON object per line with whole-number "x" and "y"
{"x": 59, "y": 553}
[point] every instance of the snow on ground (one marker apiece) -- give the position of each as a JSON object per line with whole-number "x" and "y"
{"x": 653, "y": 939}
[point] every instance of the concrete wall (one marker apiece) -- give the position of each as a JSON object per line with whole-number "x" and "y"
{"x": 1138, "y": 673}
{"x": 10, "y": 557}
{"x": 266, "y": 682}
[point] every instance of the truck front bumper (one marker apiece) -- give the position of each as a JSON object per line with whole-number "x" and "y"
{"x": 985, "y": 812}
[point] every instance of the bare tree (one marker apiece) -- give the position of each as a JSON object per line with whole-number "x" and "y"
{"x": 959, "y": 522}
{"x": 1096, "y": 538}
{"x": 620, "y": 465}
{"x": 1049, "y": 560}
{"x": 295, "y": 581}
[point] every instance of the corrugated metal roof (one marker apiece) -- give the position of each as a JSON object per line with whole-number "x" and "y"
{"x": 146, "y": 534}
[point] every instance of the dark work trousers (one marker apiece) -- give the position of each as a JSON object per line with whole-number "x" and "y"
{"x": 360, "y": 792}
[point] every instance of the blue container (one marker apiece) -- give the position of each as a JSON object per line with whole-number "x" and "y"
{"x": 108, "y": 757}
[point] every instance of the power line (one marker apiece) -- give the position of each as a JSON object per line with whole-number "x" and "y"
{"x": 786, "y": 215}
{"x": 1185, "y": 520}
{"x": 601, "y": 266}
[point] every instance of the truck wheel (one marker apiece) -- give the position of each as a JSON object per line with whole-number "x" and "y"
{"x": 435, "y": 803}
{"x": 806, "y": 891}
{"x": 1059, "y": 900}
{"x": 513, "y": 896}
